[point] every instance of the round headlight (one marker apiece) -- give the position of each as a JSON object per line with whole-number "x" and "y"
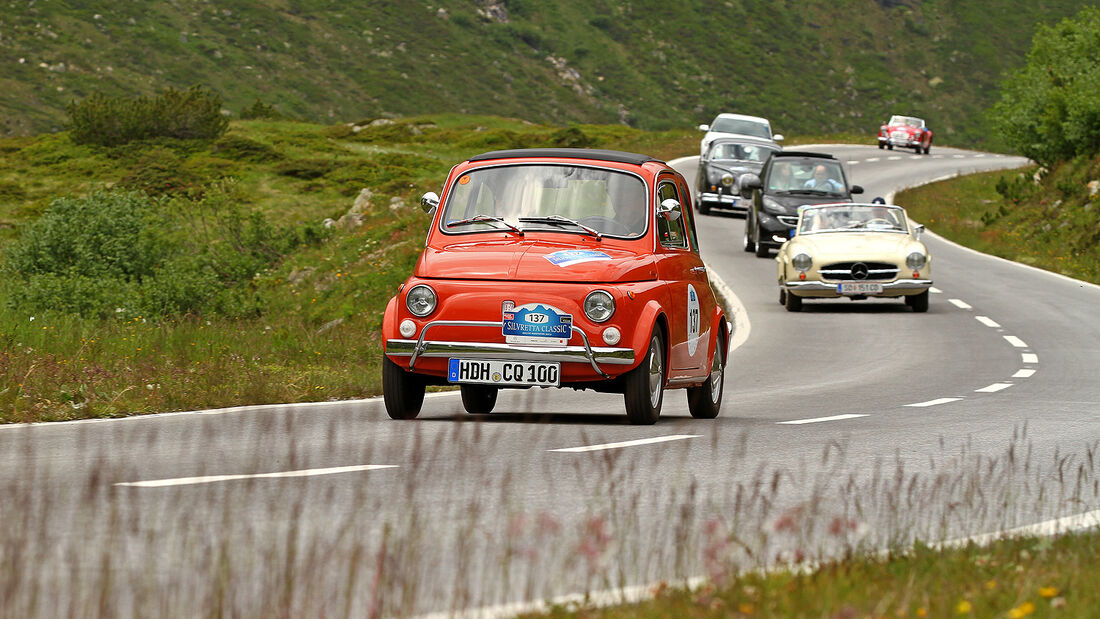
{"x": 727, "y": 179}
{"x": 916, "y": 261}
{"x": 802, "y": 262}
{"x": 611, "y": 336}
{"x": 421, "y": 300}
{"x": 407, "y": 328}
{"x": 599, "y": 306}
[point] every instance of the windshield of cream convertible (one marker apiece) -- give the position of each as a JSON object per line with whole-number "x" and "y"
{"x": 742, "y": 126}
{"x": 852, "y": 218}
{"x": 530, "y": 197}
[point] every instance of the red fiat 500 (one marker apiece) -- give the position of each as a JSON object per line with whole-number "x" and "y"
{"x": 558, "y": 268}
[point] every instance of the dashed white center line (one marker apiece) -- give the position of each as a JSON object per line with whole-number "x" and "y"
{"x": 186, "y": 481}
{"x": 987, "y": 321}
{"x": 979, "y": 155}
{"x": 959, "y": 303}
{"x": 993, "y": 388}
{"x": 634, "y": 443}
{"x": 958, "y": 156}
{"x": 934, "y": 290}
{"x": 853, "y": 162}
{"x": 818, "y": 419}
{"x": 873, "y": 159}
{"x": 1024, "y": 373}
{"x": 894, "y": 158}
{"x": 1015, "y": 341}
{"x": 1029, "y": 357}
{"x": 934, "y": 402}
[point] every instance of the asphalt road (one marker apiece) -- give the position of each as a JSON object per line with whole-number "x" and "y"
{"x": 848, "y": 425}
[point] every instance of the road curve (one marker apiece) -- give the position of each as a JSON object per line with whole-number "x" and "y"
{"x": 848, "y": 424}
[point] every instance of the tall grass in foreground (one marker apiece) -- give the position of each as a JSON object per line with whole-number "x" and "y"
{"x": 448, "y": 532}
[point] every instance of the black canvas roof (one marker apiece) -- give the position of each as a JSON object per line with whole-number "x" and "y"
{"x": 800, "y": 153}
{"x": 617, "y": 156}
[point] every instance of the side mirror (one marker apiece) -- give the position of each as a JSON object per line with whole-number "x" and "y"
{"x": 748, "y": 182}
{"x": 857, "y": 189}
{"x": 704, "y": 127}
{"x": 669, "y": 209}
{"x": 777, "y": 137}
{"x": 917, "y": 231}
{"x": 429, "y": 202}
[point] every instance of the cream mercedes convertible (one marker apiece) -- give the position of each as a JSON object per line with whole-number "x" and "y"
{"x": 856, "y": 251}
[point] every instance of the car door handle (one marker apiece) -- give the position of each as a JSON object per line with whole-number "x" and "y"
{"x": 698, "y": 269}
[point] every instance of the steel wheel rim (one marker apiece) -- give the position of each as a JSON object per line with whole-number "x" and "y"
{"x": 716, "y": 378}
{"x": 656, "y": 373}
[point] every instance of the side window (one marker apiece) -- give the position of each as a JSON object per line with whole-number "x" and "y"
{"x": 688, "y": 215}
{"x": 671, "y": 233}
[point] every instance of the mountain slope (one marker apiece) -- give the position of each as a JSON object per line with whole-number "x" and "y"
{"x": 811, "y": 66}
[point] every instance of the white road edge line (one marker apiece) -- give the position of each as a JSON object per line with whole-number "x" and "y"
{"x": 1024, "y": 373}
{"x": 818, "y": 419}
{"x": 959, "y": 303}
{"x": 995, "y": 387}
{"x": 935, "y": 402}
{"x": 1029, "y": 357}
{"x": 1015, "y": 341}
{"x": 987, "y": 321}
{"x": 634, "y": 443}
{"x": 186, "y": 481}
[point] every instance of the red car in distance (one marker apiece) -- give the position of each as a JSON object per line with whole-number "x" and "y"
{"x": 905, "y": 132}
{"x": 558, "y": 268}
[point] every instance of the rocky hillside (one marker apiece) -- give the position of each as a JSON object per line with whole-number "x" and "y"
{"x": 817, "y": 66}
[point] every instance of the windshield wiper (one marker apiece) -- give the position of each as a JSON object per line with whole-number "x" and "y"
{"x": 485, "y": 219}
{"x": 558, "y": 219}
{"x": 813, "y": 192}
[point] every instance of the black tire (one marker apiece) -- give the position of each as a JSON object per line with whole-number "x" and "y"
{"x": 793, "y": 303}
{"x": 704, "y": 208}
{"x": 881, "y": 146}
{"x": 919, "y": 302}
{"x": 644, "y": 388}
{"x": 917, "y": 149}
{"x": 928, "y": 149}
{"x": 478, "y": 399}
{"x": 889, "y": 146}
{"x": 402, "y": 391}
{"x": 747, "y": 240}
{"x": 782, "y": 296}
{"x": 705, "y": 401}
{"x": 761, "y": 248}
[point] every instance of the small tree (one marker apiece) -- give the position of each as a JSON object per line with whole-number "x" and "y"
{"x": 109, "y": 121}
{"x": 1050, "y": 109}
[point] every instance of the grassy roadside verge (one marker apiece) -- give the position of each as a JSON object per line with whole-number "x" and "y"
{"x": 1040, "y": 577}
{"x": 1052, "y": 223}
{"x": 308, "y": 327}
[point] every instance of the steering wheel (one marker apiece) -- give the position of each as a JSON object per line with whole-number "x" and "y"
{"x": 879, "y": 220}
{"x": 606, "y": 225}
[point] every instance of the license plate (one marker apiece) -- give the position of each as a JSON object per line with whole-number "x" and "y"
{"x": 504, "y": 373}
{"x": 859, "y": 288}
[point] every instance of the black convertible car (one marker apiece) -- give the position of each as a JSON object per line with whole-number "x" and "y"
{"x": 723, "y": 164}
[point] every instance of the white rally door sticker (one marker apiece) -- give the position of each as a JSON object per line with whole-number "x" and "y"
{"x": 693, "y": 318}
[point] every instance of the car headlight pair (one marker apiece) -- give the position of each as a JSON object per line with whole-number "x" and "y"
{"x": 916, "y": 261}
{"x": 421, "y": 300}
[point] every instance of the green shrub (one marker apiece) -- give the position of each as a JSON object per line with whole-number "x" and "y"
{"x": 239, "y": 148}
{"x": 109, "y": 121}
{"x": 260, "y": 110}
{"x": 306, "y": 169}
{"x": 160, "y": 171}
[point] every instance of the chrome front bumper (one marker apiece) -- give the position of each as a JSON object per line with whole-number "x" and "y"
{"x": 721, "y": 198}
{"x": 422, "y": 347}
{"x": 898, "y": 284}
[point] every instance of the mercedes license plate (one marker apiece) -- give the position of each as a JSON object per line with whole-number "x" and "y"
{"x": 504, "y": 373}
{"x": 859, "y": 288}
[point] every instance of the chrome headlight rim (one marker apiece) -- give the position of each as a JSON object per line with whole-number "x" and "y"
{"x": 726, "y": 180}
{"x": 599, "y": 306}
{"x": 802, "y": 262}
{"x": 916, "y": 260}
{"x": 424, "y": 302}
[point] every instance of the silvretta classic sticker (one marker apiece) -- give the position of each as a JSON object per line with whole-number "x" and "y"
{"x": 567, "y": 257}
{"x": 537, "y": 323}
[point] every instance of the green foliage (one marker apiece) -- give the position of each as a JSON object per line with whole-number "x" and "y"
{"x": 160, "y": 171}
{"x": 109, "y": 121}
{"x": 115, "y": 251}
{"x": 260, "y": 110}
{"x": 1050, "y": 109}
{"x": 240, "y": 148}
